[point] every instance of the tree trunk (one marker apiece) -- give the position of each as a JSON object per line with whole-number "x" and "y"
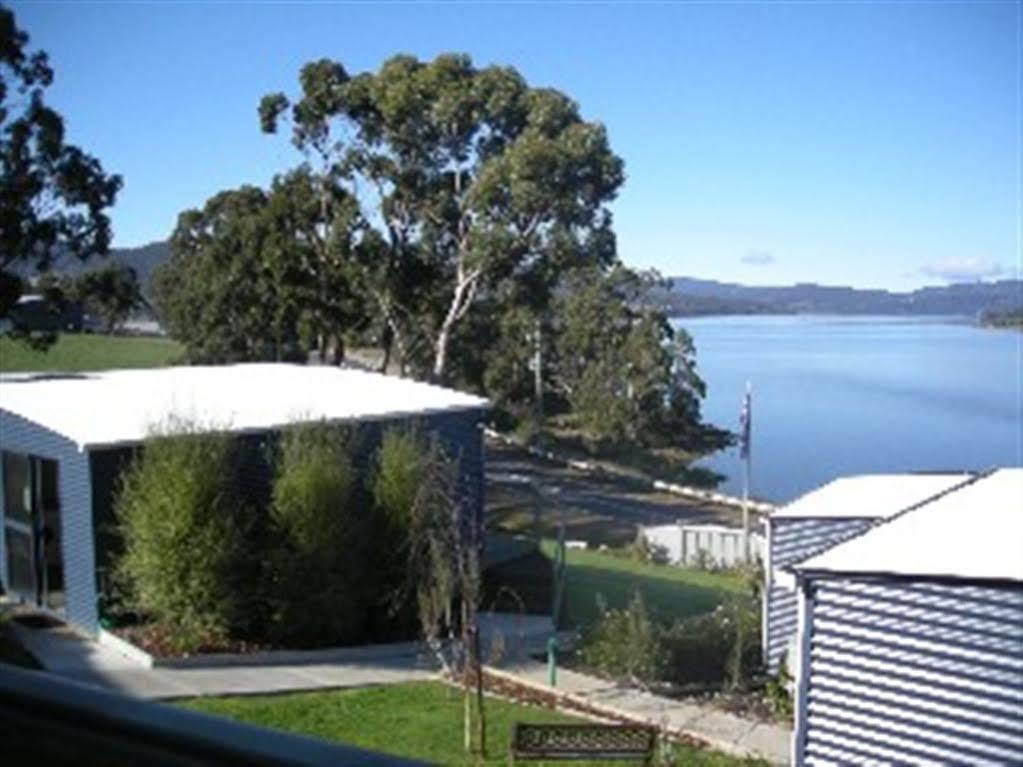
{"x": 440, "y": 356}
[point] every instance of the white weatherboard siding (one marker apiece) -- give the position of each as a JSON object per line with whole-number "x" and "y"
{"x": 913, "y": 673}
{"x": 915, "y": 636}
{"x": 791, "y": 541}
{"x": 722, "y": 546}
{"x": 821, "y": 519}
{"x": 125, "y": 406}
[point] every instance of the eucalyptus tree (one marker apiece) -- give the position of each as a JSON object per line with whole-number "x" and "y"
{"x": 627, "y": 374}
{"x": 53, "y": 196}
{"x": 466, "y": 177}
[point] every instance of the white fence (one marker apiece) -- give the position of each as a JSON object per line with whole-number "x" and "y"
{"x": 721, "y": 546}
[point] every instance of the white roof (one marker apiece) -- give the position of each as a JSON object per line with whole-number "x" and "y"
{"x": 973, "y": 532}
{"x": 125, "y": 406}
{"x": 875, "y": 496}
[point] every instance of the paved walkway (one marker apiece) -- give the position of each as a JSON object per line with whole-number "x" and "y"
{"x": 723, "y": 731}
{"x": 63, "y": 652}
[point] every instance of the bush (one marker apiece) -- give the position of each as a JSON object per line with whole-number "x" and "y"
{"x": 399, "y": 471}
{"x": 185, "y": 538}
{"x": 714, "y": 648}
{"x": 319, "y": 573}
{"x": 625, "y": 644}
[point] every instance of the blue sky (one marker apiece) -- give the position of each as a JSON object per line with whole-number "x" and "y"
{"x": 872, "y": 144}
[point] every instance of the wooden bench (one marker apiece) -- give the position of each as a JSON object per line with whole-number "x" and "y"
{"x": 557, "y": 742}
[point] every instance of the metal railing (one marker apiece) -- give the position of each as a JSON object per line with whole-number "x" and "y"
{"x": 53, "y": 721}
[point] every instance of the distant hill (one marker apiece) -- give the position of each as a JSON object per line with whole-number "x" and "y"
{"x": 689, "y": 297}
{"x": 143, "y": 259}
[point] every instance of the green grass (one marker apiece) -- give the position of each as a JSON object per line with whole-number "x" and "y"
{"x": 669, "y": 592}
{"x": 78, "y": 352}
{"x": 421, "y": 720}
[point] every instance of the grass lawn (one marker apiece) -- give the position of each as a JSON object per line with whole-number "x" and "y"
{"x": 421, "y": 720}
{"x": 669, "y": 592}
{"x": 77, "y": 352}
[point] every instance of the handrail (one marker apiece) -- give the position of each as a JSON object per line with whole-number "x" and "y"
{"x": 51, "y": 720}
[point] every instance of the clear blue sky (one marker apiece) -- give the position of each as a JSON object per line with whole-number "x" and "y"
{"x": 873, "y": 144}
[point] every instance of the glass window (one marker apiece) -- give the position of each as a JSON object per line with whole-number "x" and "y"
{"x": 17, "y": 487}
{"x": 20, "y": 572}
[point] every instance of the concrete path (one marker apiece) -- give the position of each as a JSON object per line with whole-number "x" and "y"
{"x": 66, "y": 653}
{"x": 721, "y": 730}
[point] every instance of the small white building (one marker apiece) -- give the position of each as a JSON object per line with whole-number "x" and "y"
{"x": 820, "y": 519}
{"x": 911, "y": 636}
{"x": 66, "y": 438}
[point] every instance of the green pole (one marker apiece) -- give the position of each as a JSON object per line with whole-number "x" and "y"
{"x": 552, "y": 661}
{"x": 559, "y": 585}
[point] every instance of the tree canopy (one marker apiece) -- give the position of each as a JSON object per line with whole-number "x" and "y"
{"x": 53, "y": 196}
{"x": 465, "y": 177}
{"x": 454, "y": 217}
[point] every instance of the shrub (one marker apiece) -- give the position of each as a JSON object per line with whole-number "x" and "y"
{"x": 184, "y": 535}
{"x": 399, "y": 471}
{"x": 318, "y": 561}
{"x": 722, "y": 647}
{"x": 626, "y": 644}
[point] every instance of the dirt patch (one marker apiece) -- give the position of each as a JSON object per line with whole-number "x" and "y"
{"x": 158, "y": 641}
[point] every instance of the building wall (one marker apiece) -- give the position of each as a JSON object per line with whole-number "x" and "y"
{"x": 717, "y": 545}
{"x": 22, "y": 436}
{"x": 911, "y": 672}
{"x": 791, "y": 540}
{"x": 458, "y": 432}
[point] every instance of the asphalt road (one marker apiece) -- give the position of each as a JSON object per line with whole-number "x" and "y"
{"x": 595, "y": 507}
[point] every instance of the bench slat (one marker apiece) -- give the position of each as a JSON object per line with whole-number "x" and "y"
{"x": 582, "y": 741}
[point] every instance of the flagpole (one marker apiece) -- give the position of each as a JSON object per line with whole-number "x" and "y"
{"x": 746, "y": 475}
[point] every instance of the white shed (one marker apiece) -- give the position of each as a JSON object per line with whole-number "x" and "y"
{"x": 820, "y": 519}
{"x": 911, "y": 636}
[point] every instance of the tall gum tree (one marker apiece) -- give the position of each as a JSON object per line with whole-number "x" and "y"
{"x": 466, "y": 178}
{"x": 53, "y": 196}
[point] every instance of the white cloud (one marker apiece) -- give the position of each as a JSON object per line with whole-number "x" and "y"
{"x": 962, "y": 269}
{"x": 758, "y": 258}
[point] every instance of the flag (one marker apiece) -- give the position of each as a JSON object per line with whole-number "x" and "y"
{"x": 745, "y": 418}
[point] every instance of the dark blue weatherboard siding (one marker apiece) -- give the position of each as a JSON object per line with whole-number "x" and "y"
{"x": 910, "y": 672}
{"x": 458, "y": 432}
{"x": 792, "y": 540}
{"x": 74, "y": 489}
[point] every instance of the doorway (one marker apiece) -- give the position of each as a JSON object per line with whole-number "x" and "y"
{"x": 32, "y": 530}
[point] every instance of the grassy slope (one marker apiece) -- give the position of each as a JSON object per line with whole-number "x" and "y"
{"x": 77, "y": 352}
{"x": 418, "y": 720}
{"x": 669, "y": 592}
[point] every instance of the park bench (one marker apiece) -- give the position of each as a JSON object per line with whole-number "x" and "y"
{"x": 556, "y": 742}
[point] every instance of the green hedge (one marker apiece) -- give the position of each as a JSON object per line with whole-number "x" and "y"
{"x": 186, "y": 537}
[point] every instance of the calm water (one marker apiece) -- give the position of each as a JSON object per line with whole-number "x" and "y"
{"x": 847, "y": 395}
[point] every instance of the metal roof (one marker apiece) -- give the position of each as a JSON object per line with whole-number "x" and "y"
{"x": 974, "y": 532}
{"x": 873, "y": 496}
{"x": 126, "y": 406}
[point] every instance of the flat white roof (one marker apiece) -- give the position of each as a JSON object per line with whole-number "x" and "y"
{"x": 876, "y": 496}
{"x": 125, "y": 406}
{"x": 973, "y": 532}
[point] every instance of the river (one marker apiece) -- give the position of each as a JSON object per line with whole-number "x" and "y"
{"x": 834, "y": 396}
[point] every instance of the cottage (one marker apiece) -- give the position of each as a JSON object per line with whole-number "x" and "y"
{"x": 911, "y": 636}
{"x": 820, "y": 519}
{"x": 65, "y": 439}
